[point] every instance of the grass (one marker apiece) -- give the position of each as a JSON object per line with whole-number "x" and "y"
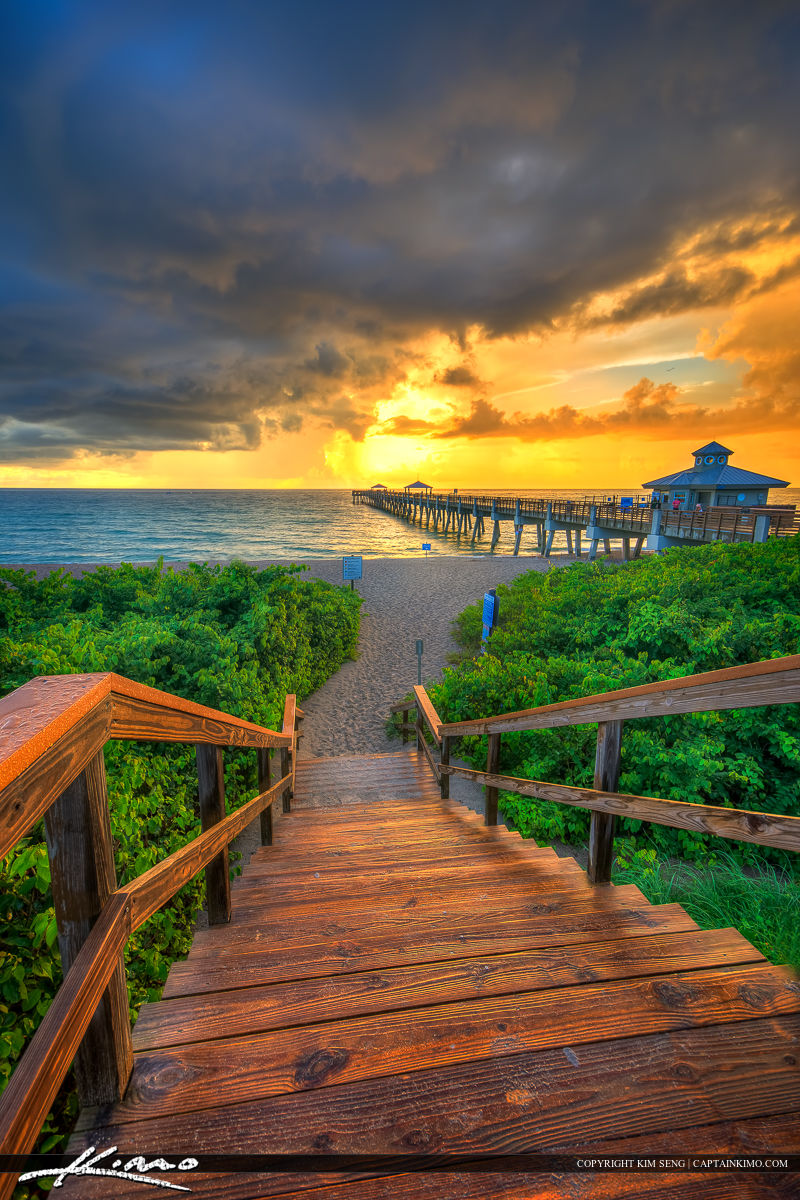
{"x": 762, "y": 902}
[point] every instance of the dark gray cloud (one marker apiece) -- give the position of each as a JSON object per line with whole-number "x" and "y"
{"x": 215, "y": 229}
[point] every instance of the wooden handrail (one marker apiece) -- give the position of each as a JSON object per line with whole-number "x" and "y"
{"x": 53, "y": 725}
{"x": 52, "y": 729}
{"x": 32, "y": 1088}
{"x": 737, "y": 824}
{"x": 425, "y": 707}
{"x": 774, "y": 681}
{"x": 154, "y": 888}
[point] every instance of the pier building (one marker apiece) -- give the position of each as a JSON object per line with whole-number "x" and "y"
{"x": 712, "y": 482}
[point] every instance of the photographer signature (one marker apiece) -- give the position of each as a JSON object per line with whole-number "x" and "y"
{"x": 135, "y": 1169}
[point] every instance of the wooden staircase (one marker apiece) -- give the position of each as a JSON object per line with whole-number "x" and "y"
{"x": 398, "y": 979}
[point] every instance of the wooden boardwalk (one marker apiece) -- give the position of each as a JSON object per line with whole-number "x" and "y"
{"x": 396, "y": 978}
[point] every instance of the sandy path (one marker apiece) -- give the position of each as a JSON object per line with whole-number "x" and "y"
{"x": 404, "y": 599}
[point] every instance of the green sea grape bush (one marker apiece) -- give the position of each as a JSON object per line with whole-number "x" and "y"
{"x": 597, "y": 627}
{"x": 233, "y": 638}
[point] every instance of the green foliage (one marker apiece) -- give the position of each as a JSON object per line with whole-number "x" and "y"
{"x": 596, "y": 627}
{"x": 232, "y": 638}
{"x": 761, "y": 902}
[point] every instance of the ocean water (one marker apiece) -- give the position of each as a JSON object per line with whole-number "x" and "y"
{"x": 110, "y": 525}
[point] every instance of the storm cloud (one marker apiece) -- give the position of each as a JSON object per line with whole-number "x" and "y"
{"x": 221, "y": 222}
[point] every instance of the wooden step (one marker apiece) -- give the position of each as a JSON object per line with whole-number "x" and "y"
{"x": 627, "y": 1087}
{"x": 247, "y": 926}
{"x": 210, "y": 973}
{"x": 406, "y": 893}
{"x": 187, "y": 1019}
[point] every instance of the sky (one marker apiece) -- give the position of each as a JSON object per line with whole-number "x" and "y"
{"x": 304, "y": 244}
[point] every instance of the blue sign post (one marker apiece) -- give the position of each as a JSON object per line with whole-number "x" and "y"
{"x": 426, "y": 547}
{"x": 491, "y": 611}
{"x": 351, "y": 569}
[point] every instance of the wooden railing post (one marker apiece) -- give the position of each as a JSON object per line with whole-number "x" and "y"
{"x": 606, "y": 779}
{"x": 492, "y": 768}
{"x": 445, "y": 760}
{"x": 405, "y": 723}
{"x": 419, "y": 729}
{"x": 78, "y": 833}
{"x": 211, "y": 790}
{"x": 264, "y": 784}
{"x": 286, "y": 770}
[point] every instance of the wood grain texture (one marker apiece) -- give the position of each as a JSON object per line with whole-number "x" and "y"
{"x": 340, "y": 956}
{"x": 193, "y": 1077}
{"x": 280, "y": 1005}
{"x": 151, "y": 890}
{"x": 379, "y": 923}
{"x": 624, "y": 1087}
{"x": 147, "y": 720}
{"x": 763, "y": 829}
{"x": 78, "y": 834}
{"x": 426, "y": 750}
{"x": 775, "y": 681}
{"x": 27, "y": 796}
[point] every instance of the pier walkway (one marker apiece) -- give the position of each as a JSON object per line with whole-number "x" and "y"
{"x": 396, "y": 977}
{"x": 466, "y": 515}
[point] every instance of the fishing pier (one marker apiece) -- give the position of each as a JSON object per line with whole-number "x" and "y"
{"x": 631, "y": 521}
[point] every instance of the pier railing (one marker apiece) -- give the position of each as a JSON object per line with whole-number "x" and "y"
{"x": 53, "y": 730}
{"x": 634, "y": 517}
{"x": 775, "y": 681}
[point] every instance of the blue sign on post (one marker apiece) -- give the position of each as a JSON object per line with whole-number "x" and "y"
{"x": 491, "y": 609}
{"x": 426, "y": 547}
{"x": 351, "y": 568}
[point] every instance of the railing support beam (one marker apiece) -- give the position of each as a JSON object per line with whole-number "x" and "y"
{"x": 606, "y": 779}
{"x": 492, "y": 768}
{"x": 264, "y": 783}
{"x": 445, "y": 761}
{"x": 78, "y": 834}
{"x": 211, "y": 791}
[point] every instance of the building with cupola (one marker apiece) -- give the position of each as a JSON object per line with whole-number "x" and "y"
{"x": 712, "y": 482}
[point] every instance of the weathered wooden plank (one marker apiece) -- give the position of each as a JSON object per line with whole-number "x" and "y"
{"x": 626, "y": 1087}
{"x": 153, "y": 888}
{"x": 192, "y": 1077}
{"x": 775, "y": 681}
{"x": 211, "y": 794}
{"x": 249, "y": 1010}
{"x": 763, "y": 829}
{"x": 78, "y": 833}
{"x": 379, "y": 922}
{"x": 333, "y": 859}
{"x": 425, "y": 706}
{"x": 252, "y": 898}
{"x": 32, "y": 1088}
{"x": 336, "y": 957}
{"x": 151, "y": 721}
{"x": 419, "y": 874}
{"x": 606, "y": 779}
{"x": 28, "y": 794}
